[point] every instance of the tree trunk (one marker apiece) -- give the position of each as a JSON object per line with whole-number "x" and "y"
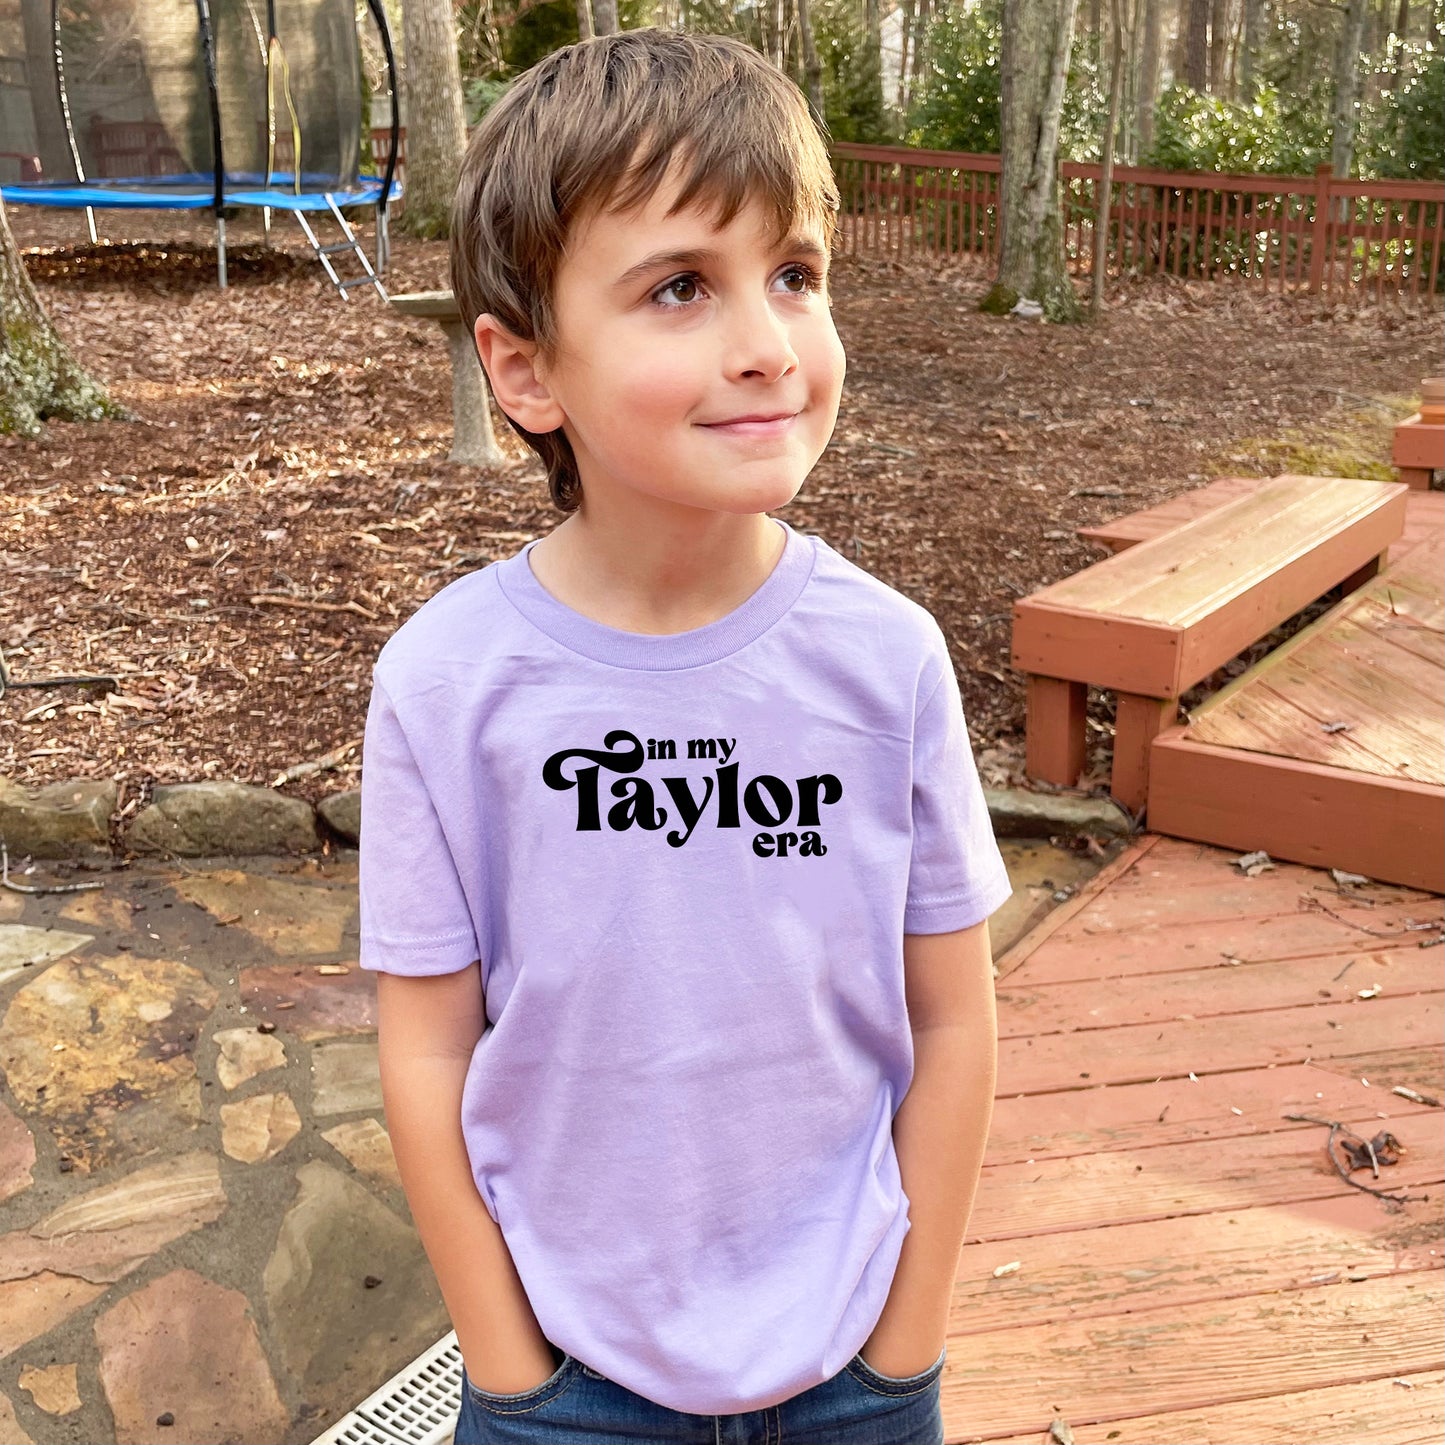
{"x": 874, "y": 25}
{"x": 1402, "y": 24}
{"x": 921, "y": 23}
{"x": 1218, "y": 43}
{"x": 1149, "y": 74}
{"x": 812, "y": 66}
{"x": 50, "y": 139}
{"x": 1249, "y": 52}
{"x": 1033, "y": 67}
{"x": 1102, "y": 204}
{"x": 604, "y": 17}
{"x": 584, "y": 20}
{"x": 39, "y": 378}
{"x": 1346, "y": 87}
{"x": 1196, "y": 44}
{"x": 436, "y": 128}
{"x": 905, "y": 37}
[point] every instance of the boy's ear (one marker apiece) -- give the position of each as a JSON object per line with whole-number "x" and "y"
{"x": 512, "y": 367}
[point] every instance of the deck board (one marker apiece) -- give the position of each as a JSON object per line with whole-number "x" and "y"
{"x": 1387, "y": 1410}
{"x": 1133, "y": 1053}
{"x": 1178, "y": 1111}
{"x": 1130, "y": 1186}
{"x": 1189, "y": 1259}
{"x": 1185, "y": 1269}
{"x": 1188, "y": 1358}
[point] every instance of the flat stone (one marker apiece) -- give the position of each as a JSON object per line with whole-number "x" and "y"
{"x": 17, "y": 1153}
{"x": 53, "y": 1388}
{"x": 342, "y": 812}
{"x": 366, "y": 1146}
{"x": 190, "y": 1348}
{"x": 293, "y": 919}
{"x": 32, "y": 1307}
{"x": 345, "y": 1078}
{"x": 103, "y": 1050}
{"x": 60, "y": 820}
{"x": 202, "y": 820}
{"x": 102, "y": 1235}
{"x": 100, "y": 911}
{"x": 337, "y": 1338}
{"x": 9, "y": 1425}
{"x": 22, "y": 945}
{"x": 320, "y": 1005}
{"x": 1018, "y": 813}
{"x": 259, "y": 1127}
{"x": 12, "y": 906}
{"x": 246, "y": 1053}
{"x": 1040, "y": 873}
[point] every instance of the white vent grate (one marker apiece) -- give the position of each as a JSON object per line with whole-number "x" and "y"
{"x": 417, "y": 1406}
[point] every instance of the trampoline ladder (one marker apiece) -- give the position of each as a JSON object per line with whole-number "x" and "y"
{"x": 325, "y": 253}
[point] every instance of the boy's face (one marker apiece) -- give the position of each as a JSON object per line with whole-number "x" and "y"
{"x": 695, "y": 365}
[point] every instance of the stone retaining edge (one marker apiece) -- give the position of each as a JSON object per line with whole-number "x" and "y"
{"x": 77, "y": 820}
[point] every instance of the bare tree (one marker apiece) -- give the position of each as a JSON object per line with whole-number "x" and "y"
{"x": 1218, "y": 43}
{"x": 1149, "y": 73}
{"x": 604, "y": 17}
{"x": 1102, "y": 204}
{"x": 1346, "y": 87}
{"x": 39, "y": 377}
{"x": 1034, "y": 63}
{"x": 812, "y": 66}
{"x": 905, "y": 39}
{"x": 1195, "y": 23}
{"x": 1249, "y": 48}
{"x": 436, "y": 127}
{"x": 584, "y": 20}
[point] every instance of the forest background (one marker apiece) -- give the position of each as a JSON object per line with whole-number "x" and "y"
{"x": 1275, "y": 86}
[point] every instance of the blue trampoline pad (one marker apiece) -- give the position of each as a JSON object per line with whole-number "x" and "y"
{"x": 191, "y": 193}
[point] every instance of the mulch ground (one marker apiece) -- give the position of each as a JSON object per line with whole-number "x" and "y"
{"x": 236, "y": 555}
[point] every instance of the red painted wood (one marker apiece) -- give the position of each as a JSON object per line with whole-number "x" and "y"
{"x": 1137, "y": 1053}
{"x": 1017, "y": 1381}
{"x": 1382, "y": 1410}
{"x": 1183, "y": 1110}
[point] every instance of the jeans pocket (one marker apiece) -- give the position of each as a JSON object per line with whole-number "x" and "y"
{"x": 549, "y": 1389}
{"x": 882, "y": 1384}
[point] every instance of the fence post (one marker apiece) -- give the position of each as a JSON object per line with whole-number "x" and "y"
{"x": 1320, "y": 231}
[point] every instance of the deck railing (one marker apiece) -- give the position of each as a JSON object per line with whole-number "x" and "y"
{"x": 1280, "y": 233}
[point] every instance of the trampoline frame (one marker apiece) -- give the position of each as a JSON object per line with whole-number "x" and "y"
{"x": 32, "y": 194}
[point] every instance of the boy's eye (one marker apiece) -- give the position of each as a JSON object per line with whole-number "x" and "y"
{"x": 679, "y": 291}
{"x": 800, "y": 279}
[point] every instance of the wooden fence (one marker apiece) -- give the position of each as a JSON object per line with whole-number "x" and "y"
{"x": 1280, "y": 233}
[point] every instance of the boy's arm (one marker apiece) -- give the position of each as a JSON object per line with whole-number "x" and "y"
{"x": 939, "y": 1134}
{"x": 428, "y": 1029}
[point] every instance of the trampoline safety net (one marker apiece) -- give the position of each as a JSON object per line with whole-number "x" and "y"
{"x": 201, "y": 101}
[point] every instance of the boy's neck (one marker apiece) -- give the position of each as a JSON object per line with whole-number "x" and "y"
{"x": 660, "y": 575}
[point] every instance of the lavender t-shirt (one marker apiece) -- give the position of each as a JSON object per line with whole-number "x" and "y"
{"x": 686, "y": 863}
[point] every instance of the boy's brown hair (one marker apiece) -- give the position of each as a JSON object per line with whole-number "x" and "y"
{"x": 599, "y": 125}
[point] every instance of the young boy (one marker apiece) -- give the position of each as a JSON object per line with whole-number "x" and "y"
{"x": 676, "y": 866}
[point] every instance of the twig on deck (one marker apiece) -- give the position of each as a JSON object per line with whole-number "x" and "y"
{"x": 1335, "y": 1127}
{"x": 41, "y": 888}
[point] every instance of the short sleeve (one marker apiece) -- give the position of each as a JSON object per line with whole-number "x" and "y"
{"x": 414, "y": 915}
{"x": 956, "y": 875}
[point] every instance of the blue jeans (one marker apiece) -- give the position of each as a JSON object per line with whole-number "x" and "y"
{"x": 577, "y": 1406}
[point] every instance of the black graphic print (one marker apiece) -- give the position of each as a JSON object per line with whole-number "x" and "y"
{"x": 765, "y": 801}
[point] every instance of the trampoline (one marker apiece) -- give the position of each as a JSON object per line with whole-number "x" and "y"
{"x": 195, "y": 105}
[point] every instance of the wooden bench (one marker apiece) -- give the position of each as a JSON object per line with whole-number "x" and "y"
{"x": 1154, "y": 620}
{"x": 1419, "y": 449}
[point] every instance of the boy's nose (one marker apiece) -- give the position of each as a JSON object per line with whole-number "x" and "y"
{"x": 759, "y": 344}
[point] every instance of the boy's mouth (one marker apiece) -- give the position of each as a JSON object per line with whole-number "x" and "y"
{"x": 755, "y": 424}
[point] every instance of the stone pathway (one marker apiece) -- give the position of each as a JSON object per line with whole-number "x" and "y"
{"x": 203, "y": 1236}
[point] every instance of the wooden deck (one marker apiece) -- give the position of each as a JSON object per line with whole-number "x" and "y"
{"x": 1190, "y": 1270}
{"x": 1330, "y": 751}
